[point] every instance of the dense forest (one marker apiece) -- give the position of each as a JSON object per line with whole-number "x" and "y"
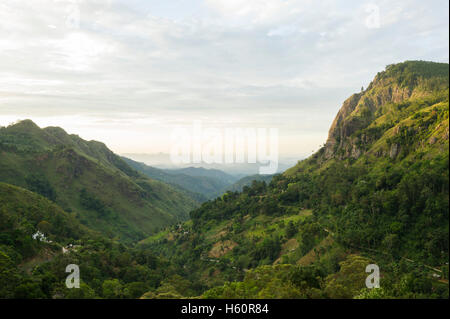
{"x": 89, "y": 180}
{"x": 377, "y": 192}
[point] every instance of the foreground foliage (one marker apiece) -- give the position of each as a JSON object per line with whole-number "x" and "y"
{"x": 376, "y": 193}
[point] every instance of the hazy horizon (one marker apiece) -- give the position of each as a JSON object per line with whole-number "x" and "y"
{"x": 128, "y": 72}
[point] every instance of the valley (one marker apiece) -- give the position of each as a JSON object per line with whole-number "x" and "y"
{"x": 377, "y": 192}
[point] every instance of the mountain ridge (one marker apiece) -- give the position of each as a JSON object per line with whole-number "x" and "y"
{"x": 396, "y": 84}
{"x": 203, "y": 187}
{"x": 117, "y": 199}
{"x": 377, "y": 192}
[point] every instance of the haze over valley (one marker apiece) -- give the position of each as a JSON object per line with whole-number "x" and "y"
{"x": 224, "y": 149}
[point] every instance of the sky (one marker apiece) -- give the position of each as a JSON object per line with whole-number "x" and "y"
{"x": 128, "y": 72}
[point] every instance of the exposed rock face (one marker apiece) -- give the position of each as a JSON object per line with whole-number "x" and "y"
{"x": 338, "y": 128}
{"x": 432, "y": 140}
{"x": 359, "y": 111}
{"x": 356, "y": 152}
{"x": 395, "y": 149}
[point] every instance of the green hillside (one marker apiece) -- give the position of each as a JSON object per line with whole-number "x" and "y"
{"x": 219, "y": 175}
{"x": 246, "y": 181}
{"x": 34, "y": 268}
{"x": 199, "y": 185}
{"x": 377, "y": 192}
{"x": 22, "y": 214}
{"x": 86, "y": 178}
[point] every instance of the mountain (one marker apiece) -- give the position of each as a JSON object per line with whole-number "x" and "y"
{"x": 163, "y": 161}
{"x": 201, "y": 183}
{"x": 394, "y": 95}
{"x": 246, "y": 181}
{"x": 87, "y": 179}
{"x": 38, "y": 239}
{"x": 376, "y": 193}
{"x": 158, "y": 160}
{"x": 204, "y": 183}
{"x": 23, "y": 213}
{"x": 219, "y": 175}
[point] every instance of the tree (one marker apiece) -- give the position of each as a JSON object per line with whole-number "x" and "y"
{"x": 84, "y": 292}
{"x": 44, "y": 226}
{"x": 112, "y": 289}
{"x": 8, "y": 276}
{"x": 291, "y": 230}
{"x": 350, "y": 279}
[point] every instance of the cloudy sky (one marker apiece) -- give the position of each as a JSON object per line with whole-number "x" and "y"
{"x": 128, "y": 72}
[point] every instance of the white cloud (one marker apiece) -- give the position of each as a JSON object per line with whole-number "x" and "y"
{"x": 254, "y": 61}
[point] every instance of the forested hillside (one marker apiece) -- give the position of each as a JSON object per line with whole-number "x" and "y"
{"x": 377, "y": 192}
{"x": 246, "y": 181}
{"x": 201, "y": 184}
{"x": 34, "y": 266}
{"x": 89, "y": 180}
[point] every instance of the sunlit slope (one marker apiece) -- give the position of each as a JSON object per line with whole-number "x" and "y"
{"x": 379, "y": 187}
{"x": 88, "y": 179}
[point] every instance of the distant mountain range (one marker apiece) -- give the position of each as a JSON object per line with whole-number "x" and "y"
{"x": 239, "y": 185}
{"x": 376, "y": 193}
{"x": 203, "y": 183}
{"x": 87, "y": 179}
{"x": 162, "y": 161}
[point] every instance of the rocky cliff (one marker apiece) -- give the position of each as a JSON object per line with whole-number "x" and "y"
{"x": 397, "y": 87}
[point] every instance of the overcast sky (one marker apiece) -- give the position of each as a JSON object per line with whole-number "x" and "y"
{"x": 126, "y": 72}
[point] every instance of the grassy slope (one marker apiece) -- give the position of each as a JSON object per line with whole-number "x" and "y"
{"x": 23, "y": 213}
{"x": 35, "y": 269}
{"x": 245, "y": 181}
{"x": 129, "y": 205}
{"x": 401, "y": 127}
{"x": 198, "y": 187}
